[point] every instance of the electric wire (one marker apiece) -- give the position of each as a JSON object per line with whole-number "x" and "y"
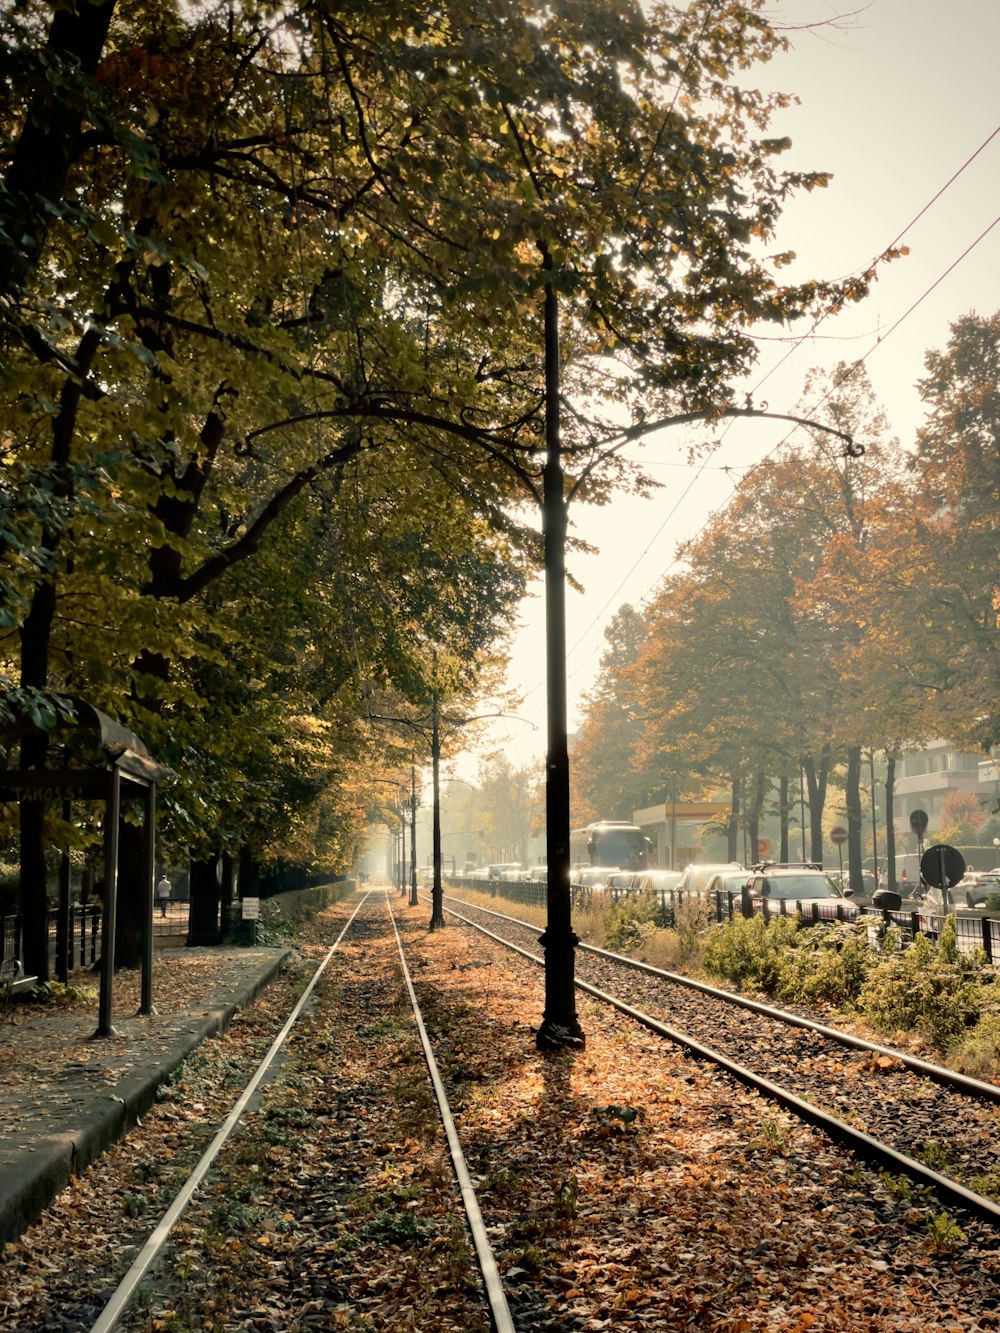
{"x": 832, "y": 388}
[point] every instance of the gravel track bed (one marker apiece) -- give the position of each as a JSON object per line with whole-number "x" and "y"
{"x": 955, "y": 1133}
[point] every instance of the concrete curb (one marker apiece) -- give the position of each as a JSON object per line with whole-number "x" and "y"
{"x": 43, "y": 1169}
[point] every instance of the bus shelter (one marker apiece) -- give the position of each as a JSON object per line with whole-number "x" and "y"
{"x": 128, "y": 768}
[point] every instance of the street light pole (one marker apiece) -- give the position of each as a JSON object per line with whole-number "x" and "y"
{"x": 437, "y": 896}
{"x": 871, "y": 763}
{"x": 560, "y": 1025}
{"x": 413, "y": 835}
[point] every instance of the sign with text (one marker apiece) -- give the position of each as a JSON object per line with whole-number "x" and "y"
{"x": 251, "y": 909}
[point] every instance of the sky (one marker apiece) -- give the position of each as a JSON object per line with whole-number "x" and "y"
{"x": 896, "y": 101}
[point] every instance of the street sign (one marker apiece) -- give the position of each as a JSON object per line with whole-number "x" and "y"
{"x": 942, "y": 866}
{"x": 763, "y": 848}
{"x": 838, "y": 836}
{"x": 251, "y": 909}
{"x": 918, "y": 822}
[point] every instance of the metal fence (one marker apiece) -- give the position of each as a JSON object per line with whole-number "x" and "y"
{"x": 973, "y": 932}
{"x": 83, "y": 934}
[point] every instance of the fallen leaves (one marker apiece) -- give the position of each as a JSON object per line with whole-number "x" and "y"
{"x": 627, "y": 1186}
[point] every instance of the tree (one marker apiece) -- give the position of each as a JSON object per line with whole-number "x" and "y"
{"x": 955, "y": 606}
{"x": 607, "y": 781}
{"x": 356, "y": 215}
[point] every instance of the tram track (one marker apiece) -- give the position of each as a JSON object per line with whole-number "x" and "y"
{"x": 370, "y": 914}
{"x": 891, "y": 1107}
{"x": 628, "y": 1186}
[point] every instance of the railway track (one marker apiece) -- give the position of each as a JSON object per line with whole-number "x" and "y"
{"x": 630, "y": 1186}
{"x": 368, "y": 917}
{"x": 891, "y": 1107}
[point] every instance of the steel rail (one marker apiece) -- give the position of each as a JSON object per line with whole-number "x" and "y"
{"x": 863, "y": 1144}
{"x": 499, "y": 1309}
{"x": 950, "y": 1077}
{"x": 126, "y": 1289}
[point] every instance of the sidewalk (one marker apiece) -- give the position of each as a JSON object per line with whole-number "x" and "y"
{"x": 65, "y": 1096}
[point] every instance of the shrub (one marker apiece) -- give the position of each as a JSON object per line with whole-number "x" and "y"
{"x": 628, "y": 921}
{"x": 828, "y": 966}
{"x": 691, "y": 920}
{"x": 929, "y": 988}
{"x": 975, "y": 1052}
{"x": 750, "y": 953}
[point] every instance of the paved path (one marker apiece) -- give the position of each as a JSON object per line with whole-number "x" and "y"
{"x": 65, "y": 1095}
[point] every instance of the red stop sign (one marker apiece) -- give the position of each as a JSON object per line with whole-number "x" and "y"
{"x": 838, "y": 836}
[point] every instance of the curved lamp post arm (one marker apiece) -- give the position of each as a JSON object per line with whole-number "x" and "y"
{"x": 633, "y": 433}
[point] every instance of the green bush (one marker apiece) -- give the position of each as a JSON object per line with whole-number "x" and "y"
{"x": 929, "y": 988}
{"x": 750, "y": 953}
{"x": 829, "y": 965}
{"x": 691, "y": 921}
{"x": 628, "y": 921}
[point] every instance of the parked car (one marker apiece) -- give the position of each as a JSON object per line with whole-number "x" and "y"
{"x": 621, "y": 881}
{"x": 593, "y": 877}
{"x": 800, "y": 885}
{"x": 976, "y": 887}
{"x": 658, "y": 880}
{"x": 496, "y": 870}
{"x": 726, "y": 882}
{"x": 539, "y": 874}
{"x": 695, "y": 878}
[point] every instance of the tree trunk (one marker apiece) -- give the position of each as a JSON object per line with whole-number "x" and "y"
{"x": 852, "y": 800}
{"x": 754, "y": 812}
{"x": 204, "y": 925}
{"x": 783, "y": 809}
{"x": 733, "y": 829}
{"x": 816, "y": 780}
{"x": 890, "y": 832}
{"x": 48, "y": 139}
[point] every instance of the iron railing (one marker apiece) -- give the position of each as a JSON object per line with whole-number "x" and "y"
{"x": 972, "y": 932}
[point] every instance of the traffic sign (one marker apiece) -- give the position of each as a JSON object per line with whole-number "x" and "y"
{"x": 838, "y": 836}
{"x": 763, "y": 848}
{"x": 942, "y": 866}
{"x": 918, "y": 822}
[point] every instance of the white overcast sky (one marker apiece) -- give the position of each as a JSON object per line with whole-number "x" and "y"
{"x": 894, "y": 103}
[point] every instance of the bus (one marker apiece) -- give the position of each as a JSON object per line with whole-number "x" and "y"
{"x": 610, "y": 842}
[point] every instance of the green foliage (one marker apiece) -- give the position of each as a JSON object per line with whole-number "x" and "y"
{"x": 630, "y": 920}
{"x": 928, "y": 988}
{"x": 974, "y": 1051}
{"x": 750, "y": 952}
{"x": 944, "y": 1234}
{"x": 271, "y": 391}
{"x": 770, "y": 1140}
{"x": 399, "y": 1227}
{"x": 829, "y": 967}
{"x": 567, "y": 1198}
{"x": 60, "y": 995}
{"x": 691, "y": 921}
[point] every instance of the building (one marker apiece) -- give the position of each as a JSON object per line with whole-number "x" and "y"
{"x": 675, "y": 829}
{"x": 926, "y": 778}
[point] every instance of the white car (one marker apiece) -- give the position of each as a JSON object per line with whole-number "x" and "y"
{"x": 593, "y": 877}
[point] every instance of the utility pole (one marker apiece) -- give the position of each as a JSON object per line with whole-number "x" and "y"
{"x": 413, "y": 834}
{"x": 560, "y": 1025}
{"x": 437, "y": 896}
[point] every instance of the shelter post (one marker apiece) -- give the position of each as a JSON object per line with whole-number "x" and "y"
{"x": 112, "y": 814}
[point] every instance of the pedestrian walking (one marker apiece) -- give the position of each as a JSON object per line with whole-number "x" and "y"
{"x": 163, "y": 894}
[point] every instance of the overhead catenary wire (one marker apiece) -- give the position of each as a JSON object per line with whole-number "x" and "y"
{"x": 880, "y": 340}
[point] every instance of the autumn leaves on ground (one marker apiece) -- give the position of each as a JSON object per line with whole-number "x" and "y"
{"x": 626, "y": 1186}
